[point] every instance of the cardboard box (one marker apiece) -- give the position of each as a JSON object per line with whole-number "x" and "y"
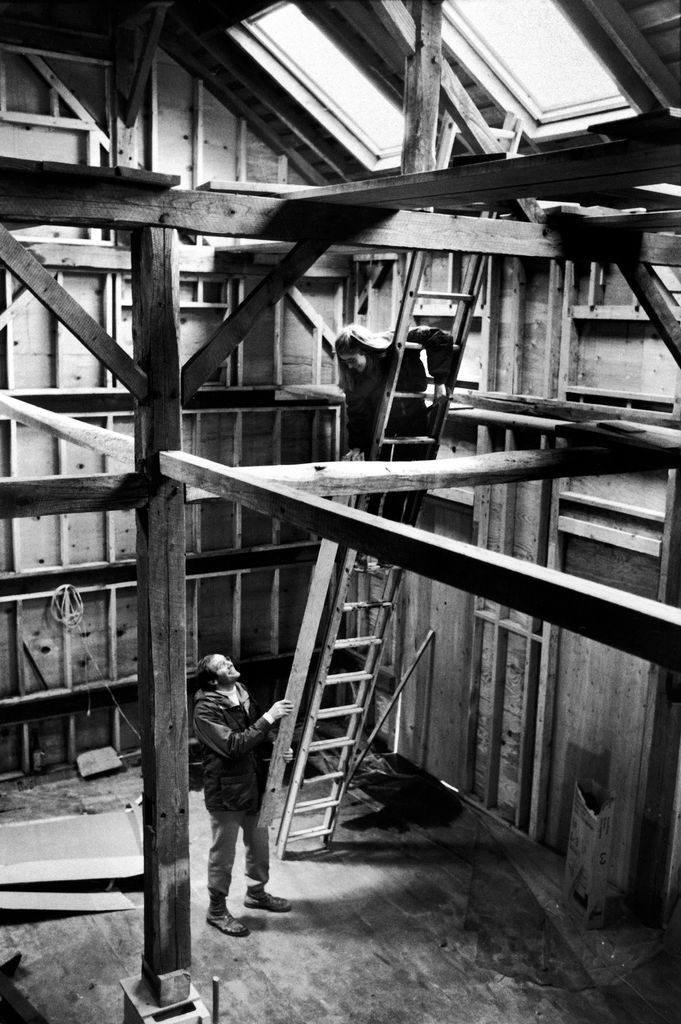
{"x": 588, "y": 855}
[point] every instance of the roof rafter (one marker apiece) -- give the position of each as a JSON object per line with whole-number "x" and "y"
{"x": 624, "y": 51}
{"x": 231, "y": 58}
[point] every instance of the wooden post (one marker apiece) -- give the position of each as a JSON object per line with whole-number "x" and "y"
{"x": 161, "y": 623}
{"x": 422, "y": 89}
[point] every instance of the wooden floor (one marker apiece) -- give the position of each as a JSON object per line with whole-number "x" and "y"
{"x": 425, "y": 912}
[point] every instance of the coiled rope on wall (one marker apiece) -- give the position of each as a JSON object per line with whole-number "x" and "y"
{"x": 67, "y": 609}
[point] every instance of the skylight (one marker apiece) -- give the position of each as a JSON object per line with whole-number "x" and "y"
{"x": 536, "y": 53}
{"x": 335, "y": 79}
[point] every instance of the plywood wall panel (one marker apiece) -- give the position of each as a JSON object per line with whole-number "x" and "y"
{"x": 123, "y": 529}
{"x": 261, "y": 163}
{"x": 294, "y": 583}
{"x": 219, "y": 140}
{"x": 45, "y": 639}
{"x": 258, "y": 349}
{"x": 94, "y": 728}
{"x": 126, "y": 631}
{"x": 8, "y": 650}
{"x": 534, "y": 326}
{"x": 10, "y": 748}
{"x": 633, "y": 571}
{"x": 436, "y": 708}
{"x": 642, "y": 490}
{"x": 256, "y": 591}
{"x": 90, "y": 641}
{"x": 598, "y": 733}
{"x": 215, "y": 615}
{"x": 197, "y": 327}
{"x": 217, "y": 525}
{"x": 175, "y": 112}
{"x": 34, "y": 354}
{"x": 77, "y": 368}
{"x": 621, "y": 356}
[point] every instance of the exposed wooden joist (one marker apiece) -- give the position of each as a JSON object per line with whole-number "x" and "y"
{"x": 235, "y": 328}
{"x": 110, "y": 205}
{"x": 57, "y": 300}
{"x": 638, "y": 625}
{"x": 51, "y": 496}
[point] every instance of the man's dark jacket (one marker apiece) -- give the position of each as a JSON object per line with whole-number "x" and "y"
{"x": 233, "y": 741}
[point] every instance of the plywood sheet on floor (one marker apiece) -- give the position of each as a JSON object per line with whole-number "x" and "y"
{"x": 417, "y": 916}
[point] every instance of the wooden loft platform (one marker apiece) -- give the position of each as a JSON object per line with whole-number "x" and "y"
{"x": 564, "y": 174}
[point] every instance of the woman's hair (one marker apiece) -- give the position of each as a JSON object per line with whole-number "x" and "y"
{"x": 206, "y": 675}
{"x": 357, "y": 338}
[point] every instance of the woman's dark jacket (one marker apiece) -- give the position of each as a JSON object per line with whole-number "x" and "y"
{"x": 408, "y": 416}
{"x": 233, "y": 741}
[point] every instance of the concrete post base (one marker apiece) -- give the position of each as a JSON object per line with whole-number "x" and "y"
{"x": 140, "y": 1007}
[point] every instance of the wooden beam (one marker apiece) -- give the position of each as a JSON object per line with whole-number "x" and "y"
{"x": 640, "y": 92}
{"x": 51, "y": 496}
{"x": 422, "y": 89}
{"x": 348, "y": 478}
{"x": 295, "y": 688}
{"x": 542, "y": 175}
{"x": 110, "y": 204}
{"x": 659, "y": 304}
{"x": 230, "y": 63}
{"x": 660, "y": 220}
{"x": 94, "y": 576}
{"x": 620, "y": 28}
{"x": 645, "y": 628}
{"x": 161, "y": 625}
{"x": 235, "y": 328}
{"x": 108, "y": 442}
{"x": 57, "y": 300}
{"x": 69, "y": 98}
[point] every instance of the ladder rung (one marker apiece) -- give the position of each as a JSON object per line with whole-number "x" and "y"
{"x": 327, "y": 777}
{"x": 321, "y": 830}
{"x": 454, "y": 296}
{"x": 409, "y": 394}
{"x": 351, "y": 606}
{"x": 413, "y": 344}
{"x": 347, "y": 677}
{"x": 339, "y": 741}
{"x": 306, "y": 806}
{"x": 357, "y": 641}
{"x": 340, "y": 711}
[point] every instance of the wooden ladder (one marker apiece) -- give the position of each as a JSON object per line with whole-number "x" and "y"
{"x": 324, "y": 791}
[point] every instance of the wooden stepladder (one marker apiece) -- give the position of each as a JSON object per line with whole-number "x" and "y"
{"x": 334, "y": 722}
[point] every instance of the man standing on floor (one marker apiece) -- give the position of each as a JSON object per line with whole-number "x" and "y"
{"x": 233, "y": 733}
